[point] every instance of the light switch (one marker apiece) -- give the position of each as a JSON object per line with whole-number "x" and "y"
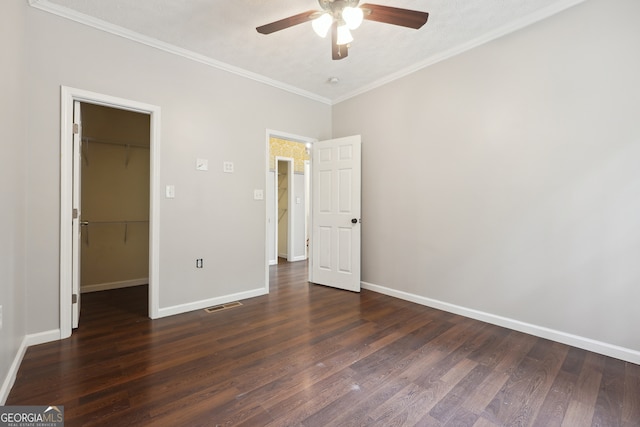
{"x": 227, "y": 167}
{"x": 202, "y": 164}
{"x": 170, "y": 192}
{"x": 258, "y": 195}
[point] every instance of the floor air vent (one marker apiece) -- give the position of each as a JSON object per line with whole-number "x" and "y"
{"x": 223, "y": 307}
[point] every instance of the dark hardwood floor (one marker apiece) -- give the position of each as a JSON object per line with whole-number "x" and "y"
{"x": 308, "y": 355}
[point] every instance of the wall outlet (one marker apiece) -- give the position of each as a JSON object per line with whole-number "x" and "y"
{"x": 199, "y": 263}
{"x": 258, "y": 195}
{"x": 227, "y": 167}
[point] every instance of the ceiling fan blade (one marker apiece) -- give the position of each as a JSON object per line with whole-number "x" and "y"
{"x": 338, "y": 51}
{"x": 287, "y": 22}
{"x": 393, "y": 15}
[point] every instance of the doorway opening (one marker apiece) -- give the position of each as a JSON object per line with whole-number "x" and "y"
{"x": 114, "y": 212}
{"x": 285, "y": 215}
{"x": 80, "y": 233}
{"x": 288, "y": 196}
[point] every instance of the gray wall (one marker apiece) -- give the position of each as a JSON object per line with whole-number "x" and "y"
{"x": 206, "y": 113}
{"x": 13, "y": 175}
{"x": 506, "y": 179}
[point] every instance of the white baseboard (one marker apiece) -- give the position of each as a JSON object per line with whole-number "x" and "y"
{"x": 589, "y": 344}
{"x": 198, "y": 305}
{"x": 43, "y": 337}
{"x": 273, "y": 262}
{"x": 10, "y": 379}
{"x": 114, "y": 285}
{"x": 28, "y": 340}
{"x": 294, "y": 259}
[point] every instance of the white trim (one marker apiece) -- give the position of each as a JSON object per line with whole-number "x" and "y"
{"x": 471, "y": 44}
{"x": 47, "y": 6}
{"x": 154, "y": 212}
{"x": 67, "y": 97}
{"x": 27, "y": 341}
{"x": 42, "y": 337}
{"x": 99, "y": 24}
{"x": 198, "y": 305}
{"x": 589, "y": 344}
{"x": 307, "y": 205}
{"x": 298, "y": 258}
{"x": 114, "y": 285}
{"x": 10, "y": 379}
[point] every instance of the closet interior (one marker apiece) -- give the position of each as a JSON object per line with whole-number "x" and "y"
{"x": 114, "y": 198}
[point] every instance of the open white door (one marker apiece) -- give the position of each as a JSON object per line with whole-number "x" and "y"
{"x": 76, "y": 222}
{"x": 335, "y": 241}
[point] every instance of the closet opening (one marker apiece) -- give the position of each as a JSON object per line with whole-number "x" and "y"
{"x": 115, "y": 205}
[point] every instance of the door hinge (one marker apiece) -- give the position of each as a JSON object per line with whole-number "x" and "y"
{"x": 75, "y": 213}
{"x": 74, "y": 298}
{"x": 76, "y": 129}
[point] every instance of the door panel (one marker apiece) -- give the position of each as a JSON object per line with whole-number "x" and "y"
{"x": 335, "y": 242}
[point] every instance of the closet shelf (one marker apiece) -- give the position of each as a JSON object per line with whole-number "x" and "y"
{"x": 86, "y": 224}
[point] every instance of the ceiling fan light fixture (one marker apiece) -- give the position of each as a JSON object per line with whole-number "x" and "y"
{"x": 352, "y": 17}
{"x": 322, "y": 24}
{"x": 344, "y": 35}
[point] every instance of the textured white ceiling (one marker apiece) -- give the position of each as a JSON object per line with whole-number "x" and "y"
{"x": 296, "y": 58}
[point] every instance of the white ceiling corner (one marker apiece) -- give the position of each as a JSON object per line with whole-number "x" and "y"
{"x": 223, "y": 35}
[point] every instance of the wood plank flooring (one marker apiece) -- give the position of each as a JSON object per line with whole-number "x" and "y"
{"x": 308, "y": 355}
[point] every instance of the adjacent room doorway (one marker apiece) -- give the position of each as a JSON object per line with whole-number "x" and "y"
{"x": 331, "y": 208}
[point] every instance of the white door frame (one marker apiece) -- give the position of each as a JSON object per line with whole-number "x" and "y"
{"x": 67, "y": 98}
{"x": 307, "y": 204}
{"x": 290, "y": 137}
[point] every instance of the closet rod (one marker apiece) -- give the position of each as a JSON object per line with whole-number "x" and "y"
{"x": 123, "y": 144}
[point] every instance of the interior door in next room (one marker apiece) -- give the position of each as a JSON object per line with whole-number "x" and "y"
{"x": 335, "y": 241}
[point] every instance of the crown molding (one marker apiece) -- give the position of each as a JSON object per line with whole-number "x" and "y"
{"x": 485, "y": 38}
{"x": 99, "y": 24}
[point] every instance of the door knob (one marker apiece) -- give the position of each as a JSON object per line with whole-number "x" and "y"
{"x": 354, "y": 221}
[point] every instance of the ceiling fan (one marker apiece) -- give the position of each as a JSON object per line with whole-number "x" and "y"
{"x": 343, "y": 15}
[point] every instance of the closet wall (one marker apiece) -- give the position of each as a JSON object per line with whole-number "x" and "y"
{"x": 115, "y": 198}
